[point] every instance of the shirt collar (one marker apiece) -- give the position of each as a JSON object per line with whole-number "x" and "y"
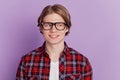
{"x": 42, "y": 49}
{"x": 66, "y": 50}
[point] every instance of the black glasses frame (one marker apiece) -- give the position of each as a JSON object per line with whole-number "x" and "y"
{"x": 54, "y": 25}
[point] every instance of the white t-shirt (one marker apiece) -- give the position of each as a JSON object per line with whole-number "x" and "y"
{"x": 54, "y": 71}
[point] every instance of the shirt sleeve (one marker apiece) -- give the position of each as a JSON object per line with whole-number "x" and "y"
{"x": 20, "y": 75}
{"x": 87, "y": 70}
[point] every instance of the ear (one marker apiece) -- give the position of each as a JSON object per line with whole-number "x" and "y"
{"x": 41, "y": 30}
{"x": 67, "y": 30}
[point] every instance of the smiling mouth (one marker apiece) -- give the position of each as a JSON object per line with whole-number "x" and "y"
{"x": 53, "y": 36}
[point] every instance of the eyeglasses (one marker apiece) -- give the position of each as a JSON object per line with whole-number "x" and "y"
{"x": 58, "y": 25}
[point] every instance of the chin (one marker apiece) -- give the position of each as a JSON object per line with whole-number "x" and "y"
{"x": 55, "y": 42}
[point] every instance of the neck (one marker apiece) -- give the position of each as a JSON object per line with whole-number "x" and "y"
{"x": 54, "y": 51}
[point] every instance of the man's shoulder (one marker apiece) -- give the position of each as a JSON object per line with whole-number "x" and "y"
{"x": 76, "y": 53}
{"x": 33, "y": 52}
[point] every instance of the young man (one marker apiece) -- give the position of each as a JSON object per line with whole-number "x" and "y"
{"x": 54, "y": 60}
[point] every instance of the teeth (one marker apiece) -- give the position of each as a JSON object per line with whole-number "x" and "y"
{"x": 53, "y": 36}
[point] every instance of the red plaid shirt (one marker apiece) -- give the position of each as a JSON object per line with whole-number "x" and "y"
{"x": 36, "y": 65}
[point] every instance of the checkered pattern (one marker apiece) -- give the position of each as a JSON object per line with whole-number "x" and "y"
{"x": 36, "y": 65}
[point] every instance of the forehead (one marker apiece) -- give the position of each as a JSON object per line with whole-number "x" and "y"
{"x": 53, "y": 18}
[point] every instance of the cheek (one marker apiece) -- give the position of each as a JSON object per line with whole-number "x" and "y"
{"x": 45, "y": 34}
{"x": 63, "y": 33}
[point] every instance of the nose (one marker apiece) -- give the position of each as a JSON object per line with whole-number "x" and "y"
{"x": 53, "y": 29}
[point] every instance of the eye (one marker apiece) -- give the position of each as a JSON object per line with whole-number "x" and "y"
{"x": 47, "y": 24}
{"x": 50, "y": 24}
{"x": 60, "y": 24}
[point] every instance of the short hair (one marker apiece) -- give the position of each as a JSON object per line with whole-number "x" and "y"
{"x": 58, "y": 9}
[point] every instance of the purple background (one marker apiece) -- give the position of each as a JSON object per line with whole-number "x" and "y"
{"x": 95, "y": 33}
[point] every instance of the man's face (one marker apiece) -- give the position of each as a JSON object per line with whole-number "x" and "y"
{"x": 54, "y": 36}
